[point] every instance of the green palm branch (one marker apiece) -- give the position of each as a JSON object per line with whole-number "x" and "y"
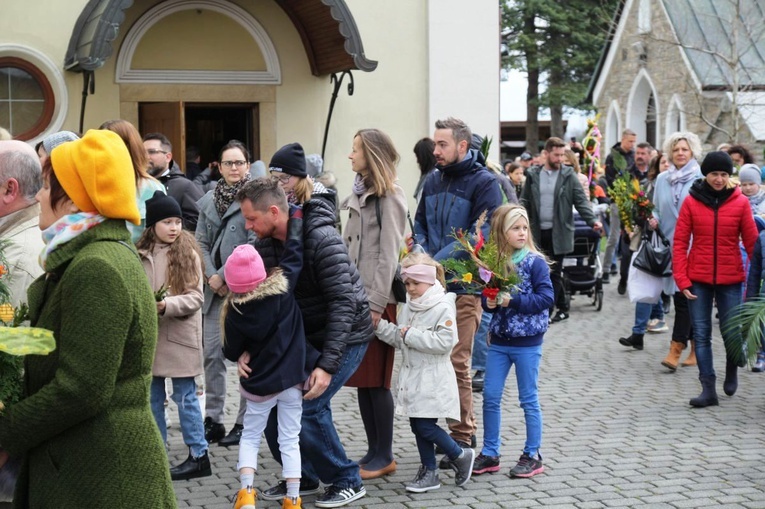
{"x": 745, "y": 328}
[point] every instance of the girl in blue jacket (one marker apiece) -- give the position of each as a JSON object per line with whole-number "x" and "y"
{"x": 516, "y": 332}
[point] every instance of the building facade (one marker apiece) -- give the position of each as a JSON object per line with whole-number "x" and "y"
{"x": 206, "y": 71}
{"x": 672, "y": 65}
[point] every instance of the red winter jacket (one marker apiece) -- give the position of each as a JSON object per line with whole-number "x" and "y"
{"x": 716, "y": 222}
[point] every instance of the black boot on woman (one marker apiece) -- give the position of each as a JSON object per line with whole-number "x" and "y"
{"x": 635, "y": 341}
{"x": 708, "y": 396}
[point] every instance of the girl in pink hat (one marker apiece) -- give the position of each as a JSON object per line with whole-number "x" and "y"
{"x": 262, "y": 322}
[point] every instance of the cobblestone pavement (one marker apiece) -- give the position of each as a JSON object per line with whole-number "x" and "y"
{"x": 618, "y": 432}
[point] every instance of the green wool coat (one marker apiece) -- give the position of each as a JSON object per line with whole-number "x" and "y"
{"x": 85, "y": 430}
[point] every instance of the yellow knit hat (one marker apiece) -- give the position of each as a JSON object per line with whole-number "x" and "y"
{"x": 97, "y": 174}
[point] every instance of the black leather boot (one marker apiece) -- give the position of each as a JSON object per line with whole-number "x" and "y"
{"x": 233, "y": 436}
{"x": 708, "y": 396}
{"x": 635, "y": 341}
{"x": 192, "y": 468}
{"x": 731, "y": 378}
{"x": 214, "y": 431}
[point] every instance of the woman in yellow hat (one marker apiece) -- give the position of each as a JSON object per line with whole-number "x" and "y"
{"x": 85, "y": 430}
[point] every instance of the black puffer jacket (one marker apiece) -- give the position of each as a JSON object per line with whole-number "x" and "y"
{"x": 329, "y": 292}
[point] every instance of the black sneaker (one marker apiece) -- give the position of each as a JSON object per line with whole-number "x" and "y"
{"x": 527, "y": 466}
{"x": 559, "y": 317}
{"x": 214, "y": 431}
{"x": 338, "y": 497}
{"x": 605, "y": 278}
{"x": 622, "y": 288}
{"x": 485, "y": 464}
{"x": 279, "y": 491}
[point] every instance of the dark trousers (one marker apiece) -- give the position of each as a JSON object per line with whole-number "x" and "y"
{"x": 626, "y": 260}
{"x": 556, "y": 271}
{"x": 682, "y": 330}
{"x": 427, "y": 432}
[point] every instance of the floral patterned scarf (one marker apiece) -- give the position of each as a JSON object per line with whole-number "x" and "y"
{"x": 66, "y": 229}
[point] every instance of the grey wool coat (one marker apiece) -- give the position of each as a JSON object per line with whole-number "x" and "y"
{"x": 218, "y": 237}
{"x": 569, "y": 193}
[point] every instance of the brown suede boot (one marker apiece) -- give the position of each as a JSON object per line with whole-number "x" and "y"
{"x": 673, "y": 357}
{"x": 691, "y": 359}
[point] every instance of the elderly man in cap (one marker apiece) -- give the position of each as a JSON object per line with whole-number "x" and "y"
{"x": 20, "y": 180}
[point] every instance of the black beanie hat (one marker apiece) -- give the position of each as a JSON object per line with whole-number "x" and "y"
{"x": 289, "y": 159}
{"x": 717, "y": 161}
{"x": 159, "y": 207}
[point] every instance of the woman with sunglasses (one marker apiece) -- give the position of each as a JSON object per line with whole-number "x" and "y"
{"x": 219, "y": 231}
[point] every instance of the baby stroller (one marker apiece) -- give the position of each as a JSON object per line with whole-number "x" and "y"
{"x": 582, "y": 270}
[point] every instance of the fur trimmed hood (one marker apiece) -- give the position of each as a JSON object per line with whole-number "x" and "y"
{"x": 275, "y": 284}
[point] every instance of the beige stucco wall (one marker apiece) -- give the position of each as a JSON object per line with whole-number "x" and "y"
{"x": 399, "y": 97}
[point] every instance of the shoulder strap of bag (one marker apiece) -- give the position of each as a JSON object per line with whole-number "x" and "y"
{"x": 408, "y": 217}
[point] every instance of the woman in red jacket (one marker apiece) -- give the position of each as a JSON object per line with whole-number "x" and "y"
{"x": 707, "y": 263}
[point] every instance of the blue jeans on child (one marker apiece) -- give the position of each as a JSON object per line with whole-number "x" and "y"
{"x": 289, "y": 407}
{"x": 426, "y": 433}
{"x": 480, "y": 346}
{"x": 321, "y": 451}
{"x": 189, "y": 413}
{"x": 498, "y": 363}
{"x": 727, "y": 298}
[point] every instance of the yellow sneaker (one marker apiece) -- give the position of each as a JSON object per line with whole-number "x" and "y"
{"x": 292, "y": 503}
{"x": 245, "y": 499}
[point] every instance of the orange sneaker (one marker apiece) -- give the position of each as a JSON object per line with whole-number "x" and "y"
{"x": 292, "y": 503}
{"x": 245, "y": 499}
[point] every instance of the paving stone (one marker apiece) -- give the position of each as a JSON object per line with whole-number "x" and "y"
{"x": 618, "y": 432}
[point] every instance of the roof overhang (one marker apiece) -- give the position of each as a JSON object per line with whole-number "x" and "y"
{"x": 329, "y": 33}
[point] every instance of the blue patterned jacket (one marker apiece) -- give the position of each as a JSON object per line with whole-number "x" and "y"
{"x": 524, "y": 321}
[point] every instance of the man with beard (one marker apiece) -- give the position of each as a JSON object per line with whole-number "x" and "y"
{"x": 454, "y": 196}
{"x": 163, "y": 168}
{"x": 549, "y": 194}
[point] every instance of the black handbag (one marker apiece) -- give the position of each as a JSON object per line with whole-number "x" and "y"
{"x": 654, "y": 255}
{"x": 397, "y": 285}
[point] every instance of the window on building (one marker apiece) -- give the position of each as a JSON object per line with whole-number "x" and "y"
{"x": 26, "y": 98}
{"x": 650, "y": 121}
{"x": 644, "y": 17}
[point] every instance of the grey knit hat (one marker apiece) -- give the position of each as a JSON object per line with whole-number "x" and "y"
{"x": 750, "y": 173}
{"x": 54, "y": 140}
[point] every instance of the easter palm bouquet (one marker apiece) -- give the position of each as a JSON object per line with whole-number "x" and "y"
{"x": 16, "y": 341}
{"x": 481, "y": 268}
{"x": 634, "y": 206}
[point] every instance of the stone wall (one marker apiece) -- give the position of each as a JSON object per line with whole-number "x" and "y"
{"x": 665, "y": 66}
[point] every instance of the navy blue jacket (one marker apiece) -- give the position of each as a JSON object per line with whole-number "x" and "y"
{"x": 267, "y": 323}
{"x": 453, "y": 197}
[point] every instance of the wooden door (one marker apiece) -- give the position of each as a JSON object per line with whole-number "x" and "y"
{"x": 167, "y": 118}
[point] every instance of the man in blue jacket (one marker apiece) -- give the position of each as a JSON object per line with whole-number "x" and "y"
{"x": 453, "y": 197}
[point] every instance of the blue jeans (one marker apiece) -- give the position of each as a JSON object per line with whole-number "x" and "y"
{"x": 426, "y": 433}
{"x": 189, "y": 413}
{"x": 727, "y": 298}
{"x": 498, "y": 364}
{"x": 480, "y": 346}
{"x": 322, "y": 454}
{"x": 642, "y": 314}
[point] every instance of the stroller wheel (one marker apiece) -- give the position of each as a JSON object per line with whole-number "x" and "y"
{"x": 599, "y": 297}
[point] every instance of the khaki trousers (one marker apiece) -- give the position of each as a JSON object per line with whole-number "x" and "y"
{"x": 468, "y": 318}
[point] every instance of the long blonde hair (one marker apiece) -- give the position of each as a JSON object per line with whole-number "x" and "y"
{"x": 381, "y": 157}
{"x": 419, "y": 258}
{"x": 303, "y": 189}
{"x": 498, "y": 230}
{"x": 184, "y": 259}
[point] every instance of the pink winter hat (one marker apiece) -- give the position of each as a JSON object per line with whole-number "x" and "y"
{"x": 244, "y": 269}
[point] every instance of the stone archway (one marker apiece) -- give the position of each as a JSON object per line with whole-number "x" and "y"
{"x": 643, "y": 109}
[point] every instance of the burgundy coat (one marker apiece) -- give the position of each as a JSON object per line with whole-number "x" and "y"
{"x": 715, "y": 225}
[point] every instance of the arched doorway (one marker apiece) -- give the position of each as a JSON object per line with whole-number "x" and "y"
{"x": 643, "y": 109}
